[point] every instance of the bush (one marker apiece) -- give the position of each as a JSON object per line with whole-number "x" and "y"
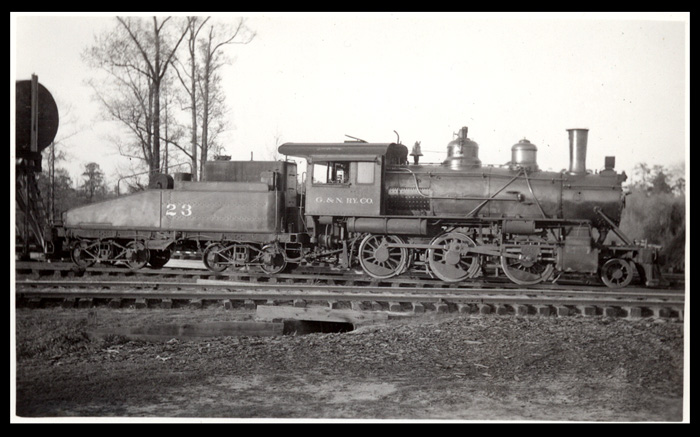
{"x": 658, "y": 218}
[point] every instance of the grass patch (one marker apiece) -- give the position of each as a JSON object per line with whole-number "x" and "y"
{"x": 42, "y": 337}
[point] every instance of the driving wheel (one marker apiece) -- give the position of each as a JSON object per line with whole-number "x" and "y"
{"x": 453, "y": 262}
{"x": 525, "y": 267}
{"x": 379, "y": 260}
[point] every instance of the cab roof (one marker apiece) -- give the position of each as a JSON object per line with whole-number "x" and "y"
{"x": 395, "y": 153}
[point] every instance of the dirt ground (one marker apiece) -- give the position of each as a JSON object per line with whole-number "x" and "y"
{"x": 431, "y": 367}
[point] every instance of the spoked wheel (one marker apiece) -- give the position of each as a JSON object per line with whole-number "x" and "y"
{"x": 81, "y": 256}
{"x": 453, "y": 262}
{"x": 158, "y": 258}
{"x": 273, "y": 259}
{"x": 527, "y": 269}
{"x": 380, "y": 261}
{"x": 136, "y": 255}
{"x": 617, "y": 273}
{"x": 215, "y": 258}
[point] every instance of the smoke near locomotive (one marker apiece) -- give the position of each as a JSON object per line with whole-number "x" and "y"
{"x": 376, "y": 207}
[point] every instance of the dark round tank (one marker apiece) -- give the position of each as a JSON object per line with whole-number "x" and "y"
{"x": 47, "y": 117}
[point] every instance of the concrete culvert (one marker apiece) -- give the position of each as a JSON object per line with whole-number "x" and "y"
{"x": 301, "y": 327}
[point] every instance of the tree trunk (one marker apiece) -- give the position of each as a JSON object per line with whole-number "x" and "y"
{"x": 205, "y": 125}
{"x": 155, "y": 162}
{"x": 156, "y": 132}
{"x": 205, "y": 105}
{"x": 193, "y": 96}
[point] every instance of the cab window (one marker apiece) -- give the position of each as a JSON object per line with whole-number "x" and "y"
{"x": 331, "y": 173}
{"x": 365, "y": 172}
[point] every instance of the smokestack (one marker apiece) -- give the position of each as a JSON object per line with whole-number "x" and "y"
{"x": 578, "y": 142}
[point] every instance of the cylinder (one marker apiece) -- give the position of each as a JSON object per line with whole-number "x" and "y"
{"x": 578, "y": 142}
{"x": 522, "y": 227}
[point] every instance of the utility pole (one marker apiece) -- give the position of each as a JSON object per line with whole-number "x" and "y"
{"x": 52, "y": 183}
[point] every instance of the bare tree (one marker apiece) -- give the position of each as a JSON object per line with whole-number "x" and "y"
{"x": 199, "y": 77}
{"x": 52, "y": 155}
{"x": 136, "y": 56}
{"x": 212, "y": 60}
{"x": 188, "y": 79}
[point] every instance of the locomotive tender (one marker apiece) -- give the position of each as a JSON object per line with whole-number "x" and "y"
{"x": 364, "y": 204}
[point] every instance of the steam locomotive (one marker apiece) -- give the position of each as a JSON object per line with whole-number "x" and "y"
{"x": 364, "y": 206}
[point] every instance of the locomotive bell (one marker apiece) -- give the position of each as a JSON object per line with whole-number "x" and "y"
{"x": 416, "y": 152}
{"x": 462, "y": 152}
{"x": 524, "y": 155}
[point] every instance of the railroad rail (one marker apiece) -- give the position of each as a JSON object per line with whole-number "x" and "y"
{"x": 193, "y": 270}
{"x": 396, "y": 299}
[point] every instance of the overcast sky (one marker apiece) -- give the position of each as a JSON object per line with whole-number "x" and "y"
{"x": 315, "y": 77}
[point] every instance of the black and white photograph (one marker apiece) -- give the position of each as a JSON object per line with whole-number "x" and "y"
{"x": 349, "y": 217}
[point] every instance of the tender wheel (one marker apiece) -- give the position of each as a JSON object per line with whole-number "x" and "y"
{"x": 158, "y": 258}
{"x": 81, "y": 256}
{"x": 380, "y": 261}
{"x": 214, "y": 258}
{"x": 453, "y": 262}
{"x": 136, "y": 255}
{"x": 617, "y": 273}
{"x": 273, "y": 259}
{"x": 527, "y": 269}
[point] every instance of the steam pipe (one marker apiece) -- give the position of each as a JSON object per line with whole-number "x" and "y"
{"x": 612, "y": 225}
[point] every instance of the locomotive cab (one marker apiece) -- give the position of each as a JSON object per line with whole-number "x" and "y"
{"x": 344, "y": 185}
{"x": 345, "y": 179}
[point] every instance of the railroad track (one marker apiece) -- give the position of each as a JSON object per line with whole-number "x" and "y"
{"x": 193, "y": 270}
{"x": 396, "y": 298}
